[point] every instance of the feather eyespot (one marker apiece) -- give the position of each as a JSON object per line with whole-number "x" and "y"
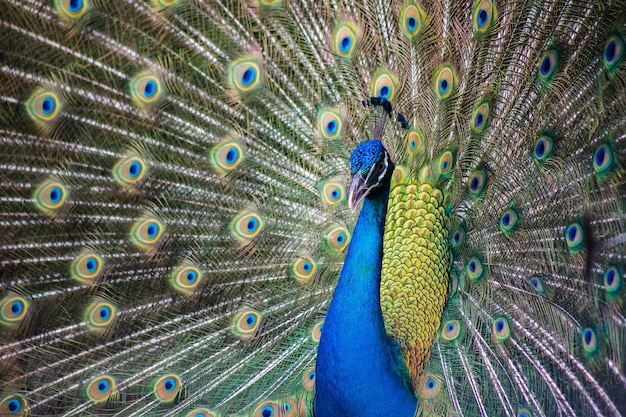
{"x": 480, "y": 116}
{"x": 574, "y": 237}
{"x": 71, "y": 10}
{"x": 508, "y": 221}
{"x": 201, "y": 412}
{"x": 345, "y": 39}
{"x": 414, "y": 142}
{"x": 613, "y": 281}
{"x": 308, "y": 379}
{"x": 50, "y": 196}
{"x": 384, "y": 85}
{"x": 245, "y": 75}
{"x": 303, "y": 269}
{"x": 226, "y": 156}
{"x": 483, "y": 16}
{"x": 333, "y": 192}
{"x": 501, "y": 329}
{"x": 543, "y": 148}
{"x": 101, "y": 389}
{"x": 316, "y": 332}
{"x": 246, "y": 226}
{"x": 330, "y": 123}
{"x": 247, "y": 323}
{"x": 129, "y": 170}
{"x": 267, "y": 409}
{"x": 603, "y": 160}
{"x": 186, "y": 279}
{"x": 537, "y": 283}
{"x": 87, "y": 267}
{"x": 145, "y": 90}
{"x": 337, "y": 238}
{"x": 14, "y": 405}
{"x": 167, "y": 388}
{"x": 412, "y": 20}
{"x": 429, "y": 387}
{"x": 523, "y": 412}
{"x": 100, "y": 315}
{"x": 613, "y": 52}
{"x": 547, "y": 66}
{"x": 476, "y": 183}
{"x": 13, "y": 308}
{"x": 474, "y": 269}
{"x": 445, "y": 164}
{"x": 590, "y": 341}
{"x": 44, "y": 107}
{"x": 146, "y": 232}
{"x": 451, "y": 330}
{"x": 445, "y": 82}
{"x": 457, "y": 237}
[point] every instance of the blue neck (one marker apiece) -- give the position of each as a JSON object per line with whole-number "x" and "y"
{"x": 358, "y": 371}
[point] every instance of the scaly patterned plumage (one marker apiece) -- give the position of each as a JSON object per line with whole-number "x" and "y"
{"x": 173, "y": 217}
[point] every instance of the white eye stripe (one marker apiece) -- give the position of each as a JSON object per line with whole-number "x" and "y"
{"x": 384, "y": 171}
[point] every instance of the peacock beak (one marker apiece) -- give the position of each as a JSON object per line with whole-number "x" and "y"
{"x": 358, "y": 190}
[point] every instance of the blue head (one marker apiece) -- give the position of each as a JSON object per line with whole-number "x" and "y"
{"x": 371, "y": 168}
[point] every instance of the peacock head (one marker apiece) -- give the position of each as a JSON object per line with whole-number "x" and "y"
{"x": 371, "y": 168}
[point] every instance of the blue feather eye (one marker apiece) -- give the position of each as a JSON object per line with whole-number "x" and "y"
{"x": 302, "y": 269}
{"x": 87, "y": 267}
{"x": 480, "y": 116}
{"x": 523, "y": 412}
{"x": 613, "y": 52}
{"x": 476, "y": 183}
{"x": 613, "y": 281}
{"x": 201, "y": 412}
{"x": 414, "y": 142}
{"x": 316, "y": 332}
{"x": 145, "y": 90}
{"x": 574, "y": 237}
{"x": 71, "y": 10}
{"x": 329, "y": 123}
{"x": 457, "y": 237}
{"x": 50, "y": 196}
{"x": 501, "y": 329}
{"x": 543, "y": 148}
{"x": 226, "y": 155}
{"x": 483, "y": 16}
{"x": 412, "y": 20}
{"x": 147, "y": 232}
{"x": 244, "y": 75}
{"x": 603, "y": 160}
{"x": 429, "y": 387}
{"x": 508, "y": 221}
{"x": 246, "y": 323}
{"x": 590, "y": 342}
{"x": 14, "y": 405}
{"x": 44, "y": 107}
{"x": 337, "y": 238}
{"x": 246, "y": 226}
{"x": 333, "y": 192}
{"x": 101, "y": 388}
{"x": 548, "y": 64}
{"x": 445, "y": 165}
{"x": 13, "y": 308}
{"x": 537, "y": 283}
{"x": 384, "y": 84}
{"x": 100, "y": 315}
{"x": 445, "y": 81}
{"x": 186, "y": 279}
{"x": 308, "y": 379}
{"x": 474, "y": 269}
{"x": 450, "y": 330}
{"x": 167, "y": 388}
{"x": 129, "y": 170}
{"x": 267, "y": 409}
{"x": 344, "y": 40}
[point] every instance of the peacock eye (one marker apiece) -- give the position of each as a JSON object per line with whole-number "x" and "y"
{"x": 380, "y": 166}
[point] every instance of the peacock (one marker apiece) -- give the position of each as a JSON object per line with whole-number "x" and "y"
{"x": 295, "y": 208}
